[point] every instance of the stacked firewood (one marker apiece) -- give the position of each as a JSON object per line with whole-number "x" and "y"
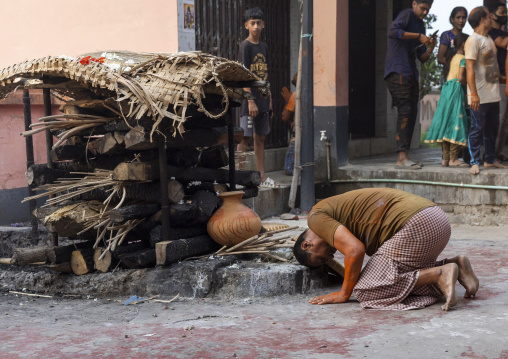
{"x": 104, "y": 184}
{"x": 104, "y": 187}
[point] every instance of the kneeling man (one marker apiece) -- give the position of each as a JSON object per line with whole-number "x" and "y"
{"x": 403, "y": 233}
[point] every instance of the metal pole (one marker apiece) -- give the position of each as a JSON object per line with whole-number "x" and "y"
{"x": 231, "y": 149}
{"x": 29, "y": 162}
{"x": 49, "y": 145}
{"x": 307, "y": 191}
{"x": 163, "y": 168}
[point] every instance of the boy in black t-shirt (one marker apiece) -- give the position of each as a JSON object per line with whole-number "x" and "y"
{"x": 255, "y": 114}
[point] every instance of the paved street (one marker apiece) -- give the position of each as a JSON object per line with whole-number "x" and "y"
{"x": 281, "y": 327}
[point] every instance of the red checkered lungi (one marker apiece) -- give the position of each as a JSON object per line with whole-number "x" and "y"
{"x": 388, "y": 279}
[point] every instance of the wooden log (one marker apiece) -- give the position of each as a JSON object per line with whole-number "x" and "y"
{"x": 139, "y": 139}
{"x": 129, "y": 248}
{"x": 82, "y": 261}
{"x": 5, "y": 260}
{"x": 25, "y": 256}
{"x": 38, "y": 175}
{"x": 186, "y": 175}
{"x": 149, "y": 192}
{"x": 107, "y": 263}
{"x": 75, "y": 140}
{"x": 176, "y": 233}
{"x": 194, "y": 212}
{"x": 169, "y": 252}
{"x": 62, "y": 267}
{"x": 195, "y": 186}
{"x": 112, "y": 143}
{"x": 204, "y": 137}
{"x": 123, "y": 214}
{"x": 68, "y": 221}
{"x": 133, "y": 171}
{"x": 187, "y": 157}
{"x": 213, "y": 157}
{"x": 141, "y": 259}
{"x": 70, "y": 152}
{"x": 59, "y": 255}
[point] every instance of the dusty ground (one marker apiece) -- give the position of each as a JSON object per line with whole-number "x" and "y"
{"x": 280, "y": 327}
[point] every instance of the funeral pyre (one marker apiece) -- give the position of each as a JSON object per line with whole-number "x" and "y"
{"x": 104, "y": 180}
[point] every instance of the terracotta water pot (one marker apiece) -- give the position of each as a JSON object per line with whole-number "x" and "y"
{"x": 234, "y": 222}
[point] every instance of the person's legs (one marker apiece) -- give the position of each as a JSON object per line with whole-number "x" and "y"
{"x": 476, "y": 136}
{"x": 446, "y": 153}
{"x": 490, "y": 135}
{"x": 261, "y": 129}
{"x": 405, "y": 97}
{"x": 388, "y": 281}
{"x": 289, "y": 163}
{"x": 259, "y": 151}
{"x": 244, "y": 143}
{"x": 502, "y": 133}
{"x": 467, "y": 278}
{"x": 455, "y": 151}
{"x": 490, "y": 129}
{"x": 445, "y": 277}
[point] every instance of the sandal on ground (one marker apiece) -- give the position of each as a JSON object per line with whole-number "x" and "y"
{"x": 409, "y": 165}
{"x": 269, "y": 183}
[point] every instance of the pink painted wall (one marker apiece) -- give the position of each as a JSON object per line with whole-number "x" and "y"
{"x": 331, "y": 53}
{"x": 12, "y": 144}
{"x": 35, "y": 28}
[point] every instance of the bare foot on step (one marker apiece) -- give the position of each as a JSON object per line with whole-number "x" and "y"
{"x": 446, "y": 281}
{"x": 496, "y": 164}
{"x": 474, "y": 170}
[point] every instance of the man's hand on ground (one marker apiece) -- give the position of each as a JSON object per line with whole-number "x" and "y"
{"x": 332, "y": 298}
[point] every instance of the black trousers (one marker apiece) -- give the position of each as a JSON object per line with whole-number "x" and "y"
{"x": 405, "y": 93}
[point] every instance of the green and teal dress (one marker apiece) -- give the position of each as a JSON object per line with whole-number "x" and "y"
{"x": 450, "y": 119}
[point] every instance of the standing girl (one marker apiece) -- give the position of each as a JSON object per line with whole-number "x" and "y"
{"x": 458, "y": 19}
{"x": 449, "y": 126}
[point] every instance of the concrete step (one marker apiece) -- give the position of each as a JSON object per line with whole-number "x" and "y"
{"x": 478, "y": 200}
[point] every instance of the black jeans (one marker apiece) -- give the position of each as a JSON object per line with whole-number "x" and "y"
{"x": 405, "y": 93}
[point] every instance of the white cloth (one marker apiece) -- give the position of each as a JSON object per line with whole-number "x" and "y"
{"x": 484, "y": 51}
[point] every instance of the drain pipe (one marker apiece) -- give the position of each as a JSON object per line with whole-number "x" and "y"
{"x": 328, "y": 162}
{"x": 431, "y": 183}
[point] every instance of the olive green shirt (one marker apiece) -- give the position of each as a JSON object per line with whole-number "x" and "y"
{"x": 373, "y": 215}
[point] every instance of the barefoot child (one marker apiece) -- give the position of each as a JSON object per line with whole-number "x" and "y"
{"x": 402, "y": 233}
{"x": 449, "y": 126}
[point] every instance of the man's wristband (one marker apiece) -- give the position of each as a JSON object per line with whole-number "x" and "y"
{"x": 419, "y": 35}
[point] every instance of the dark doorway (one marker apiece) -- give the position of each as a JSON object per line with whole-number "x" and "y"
{"x": 220, "y": 31}
{"x": 362, "y": 68}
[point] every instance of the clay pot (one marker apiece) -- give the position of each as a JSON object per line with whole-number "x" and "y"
{"x": 234, "y": 222}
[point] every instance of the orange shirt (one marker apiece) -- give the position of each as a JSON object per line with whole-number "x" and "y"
{"x": 291, "y": 103}
{"x": 373, "y": 215}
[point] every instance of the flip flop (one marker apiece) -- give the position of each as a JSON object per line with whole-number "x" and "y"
{"x": 463, "y": 164}
{"x": 409, "y": 165}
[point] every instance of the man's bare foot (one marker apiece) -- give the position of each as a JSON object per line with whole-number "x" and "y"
{"x": 446, "y": 281}
{"x": 474, "y": 170}
{"x": 445, "y": 163}
{"x": 496, "y": 164}
{"x": 466, "y": 277}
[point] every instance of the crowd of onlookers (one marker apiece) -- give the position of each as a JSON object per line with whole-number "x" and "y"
{"x": 472, "y": 110}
